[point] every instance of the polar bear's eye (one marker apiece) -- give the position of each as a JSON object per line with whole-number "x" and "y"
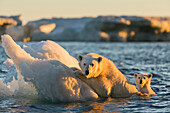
{"x": 138, "y": 77}
{"x": 84, "y": 64}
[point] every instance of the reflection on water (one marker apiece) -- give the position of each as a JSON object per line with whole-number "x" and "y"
{"x": 134, "y": 58}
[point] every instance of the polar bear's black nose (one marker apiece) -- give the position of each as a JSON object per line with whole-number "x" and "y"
{"x": 140, "y": 81}
{"x": 87, "y": 72}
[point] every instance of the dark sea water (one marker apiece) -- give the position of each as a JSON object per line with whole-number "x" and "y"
{"x": 136, "y": 58}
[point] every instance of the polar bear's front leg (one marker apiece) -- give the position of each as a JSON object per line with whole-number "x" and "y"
{"x": 74, "y": 68}
{"x": 98, "y": 86}
{"x": 80, "y": 75}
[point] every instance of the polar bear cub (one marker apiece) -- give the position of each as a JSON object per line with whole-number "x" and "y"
{"x": 143, "y": 82}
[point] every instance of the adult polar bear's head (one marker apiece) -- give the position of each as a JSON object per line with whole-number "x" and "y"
{"x": 90, "y": 65}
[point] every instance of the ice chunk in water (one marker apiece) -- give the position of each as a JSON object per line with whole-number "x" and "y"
{"x": 52, "y": 79}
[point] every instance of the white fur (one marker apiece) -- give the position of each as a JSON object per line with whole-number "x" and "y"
{"x": 143, "y": 82}
{"x": 104, "y": 77}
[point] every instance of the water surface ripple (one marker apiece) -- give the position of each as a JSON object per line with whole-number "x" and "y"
{"x": 136, "y": 58}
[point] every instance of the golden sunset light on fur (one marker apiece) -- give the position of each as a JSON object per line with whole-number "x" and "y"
{"x": 84, "y": 56}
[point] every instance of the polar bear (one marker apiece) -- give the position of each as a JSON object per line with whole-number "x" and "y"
{"x": 143, "y": 82}
{"x": 103, "y": 77}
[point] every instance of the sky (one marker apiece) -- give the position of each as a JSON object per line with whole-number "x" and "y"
{"x": 37, "y": 9}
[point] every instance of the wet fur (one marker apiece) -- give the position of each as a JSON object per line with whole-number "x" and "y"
{"x": 144, "y": 86}
{"x": 107, "y": 81}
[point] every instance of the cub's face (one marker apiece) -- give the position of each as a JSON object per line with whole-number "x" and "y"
{"x": 89, "y": 65}
{"x": 142, "y": 80}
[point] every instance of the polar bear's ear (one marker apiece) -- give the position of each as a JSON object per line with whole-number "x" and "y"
{"x": 99, "y": 59}
{"x": 80, "y": 57}
{"x": 150, "y": 76}
{"x": 135, "y": 75}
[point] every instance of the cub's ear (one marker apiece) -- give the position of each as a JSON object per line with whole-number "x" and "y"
{"x": 99, "y": 59}
{"x": 135, "y": 75}
{"x": 150, "y": 76}
{"x": 80, "y": 57}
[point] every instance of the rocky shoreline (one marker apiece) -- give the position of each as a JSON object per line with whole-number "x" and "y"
{"x": 99, "y": 29}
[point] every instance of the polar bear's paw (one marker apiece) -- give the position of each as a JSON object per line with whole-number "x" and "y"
{"x": 80, "y": 75}
{"x": 74, "y": 68}
{"x": 143, "y": 94}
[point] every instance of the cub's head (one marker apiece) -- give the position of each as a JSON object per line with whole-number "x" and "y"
{"x": 90, "y": 66}
{"x": 142, "y": 80}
